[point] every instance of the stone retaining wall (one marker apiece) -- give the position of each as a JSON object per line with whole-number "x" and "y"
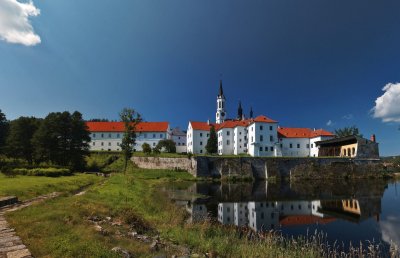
{"x": 165, "y": 163}
{"x": 264, "y": 168}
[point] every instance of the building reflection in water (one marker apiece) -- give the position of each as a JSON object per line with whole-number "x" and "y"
{"x": 263, "y": 206}
{"x": 267, "y": 215}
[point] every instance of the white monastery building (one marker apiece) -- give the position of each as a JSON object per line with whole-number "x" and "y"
{"x": 107, "y": 136}
{"x": 258, "y": 136}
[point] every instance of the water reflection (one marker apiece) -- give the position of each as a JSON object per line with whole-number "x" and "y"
{"x": 348, "y": 211}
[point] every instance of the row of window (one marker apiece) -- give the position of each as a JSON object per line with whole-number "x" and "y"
{"x": 118, "y": 135}
{"x": 118, "y": 144}
{"x": 266, "y": 148}
{"x": 298, "y": 146}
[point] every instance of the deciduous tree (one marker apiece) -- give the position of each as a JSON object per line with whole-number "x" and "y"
{"x": 166, "y": 144}
{"x": 348, "y": 131}
{"x": 146, "y": 148}
{"x": 130, "y": 118}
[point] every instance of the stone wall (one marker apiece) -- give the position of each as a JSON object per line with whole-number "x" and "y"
{"x": 165, "y": 163}
{"x": 264, "y": 168}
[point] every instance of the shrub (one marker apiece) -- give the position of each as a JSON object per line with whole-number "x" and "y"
{"x": 146, "y": 148}
{"x": 48, "y": 172}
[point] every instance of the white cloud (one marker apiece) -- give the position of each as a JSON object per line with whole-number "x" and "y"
{"x": 390, "y": 232}
{"x": 348, "y": 116}
{"x": 329, "y": 123}
{"x": 387, "y": 106}
{"x": 14, "y": 23}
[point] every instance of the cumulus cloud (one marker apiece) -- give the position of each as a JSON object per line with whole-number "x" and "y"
{"x": 387, "y": 106}
{"x": 15, "y": 26}
{"x": 329, "y": 123}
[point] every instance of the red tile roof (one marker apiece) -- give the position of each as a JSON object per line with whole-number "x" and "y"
{"x": 264, "y": 119}
{"x": 293, "y": 220}
{"x": 203, "y": 126}
{"x": 286, "y": 132}
{"x": 119, "y": 126}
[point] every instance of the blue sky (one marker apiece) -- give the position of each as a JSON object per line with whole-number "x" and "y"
{"x": 303, "y": 63}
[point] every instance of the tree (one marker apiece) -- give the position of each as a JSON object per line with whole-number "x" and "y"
{"x": 62, "y": 139}
{"x": 348, "y": 131}
{"x": 19, "y": 140}
{"x": 212, "y": 142}
{"x": 168, "y": 145}
{"x": 146, "y": 148}
{"x": 130, "y": 118}
{"x": 3, "y": 130}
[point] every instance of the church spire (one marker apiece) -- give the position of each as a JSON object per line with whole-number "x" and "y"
{"x": 251, "y": 112}
{"x": 221, "y": 90}
{"x": 221, "y": 113}
{"x": 240, "y": 111}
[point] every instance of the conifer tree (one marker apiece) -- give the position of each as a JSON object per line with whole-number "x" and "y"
{"x": 212, "y": 142}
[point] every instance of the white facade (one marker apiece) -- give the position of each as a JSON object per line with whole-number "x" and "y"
{"x": 262, "y": 139}
{"x": 180, "y": 139}
{"x": 197, "y": 139}
{"x": 295, "y": 147}
{"x": 107, "y": 136}
{"x": 110, "y": 141}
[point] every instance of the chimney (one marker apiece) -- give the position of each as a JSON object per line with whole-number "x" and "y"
{"x": 314, "y": 129}
{"x": 208, "y": 121}
{"x": 373, "y": 138}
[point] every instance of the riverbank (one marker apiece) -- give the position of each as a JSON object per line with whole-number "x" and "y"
{"x": 133, "y": 213}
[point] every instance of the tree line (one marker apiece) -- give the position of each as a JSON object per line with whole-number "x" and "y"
{"x": 61, "y": 138}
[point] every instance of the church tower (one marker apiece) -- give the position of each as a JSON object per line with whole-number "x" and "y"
{"x": 221, "y": 113}
{"x": 240, "y": 112}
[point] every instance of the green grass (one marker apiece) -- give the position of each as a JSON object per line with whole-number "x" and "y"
{"x": 59, "y": 227}
{"x": 27, "y": 187}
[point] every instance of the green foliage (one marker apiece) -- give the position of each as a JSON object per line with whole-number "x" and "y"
{"x": 98, "y": 162}
{"x": 49, "y": 172}
{"x": 3, "y": 130}
{"x": 62, "y": 139}
{"x": 130, "y": 118}
{"x": 146, "y": 148}
{"x": 348, "y": 131}
{"x": 19, "y": 140}
{"x": 212, "y": 142}
{"x": 167, "y": 145}
{"x": 156, "y": 151}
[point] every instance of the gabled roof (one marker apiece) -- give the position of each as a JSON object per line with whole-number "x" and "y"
{"x": 203, "y": 126}
{"x": 287, "y": 132}
{"x": 234, "y": 123}
{"x": 119, "y": 126}
{"x": 264, "y": 119}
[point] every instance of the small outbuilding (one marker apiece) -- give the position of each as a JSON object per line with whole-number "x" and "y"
{"x": 349, "y": 146}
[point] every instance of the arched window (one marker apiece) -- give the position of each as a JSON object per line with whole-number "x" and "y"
{"x": 354, "y": 151}
{"x": 344, "y": 152}
{"x": 349, "y": 152}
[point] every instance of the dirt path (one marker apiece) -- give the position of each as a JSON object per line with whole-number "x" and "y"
{"x": 11, "y": 245}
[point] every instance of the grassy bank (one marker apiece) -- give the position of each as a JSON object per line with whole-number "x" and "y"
{"x": 27, "y": 187}
{"x": 60, "y": 227}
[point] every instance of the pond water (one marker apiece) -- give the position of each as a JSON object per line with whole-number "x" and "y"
{"x": 346, "y": 211}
